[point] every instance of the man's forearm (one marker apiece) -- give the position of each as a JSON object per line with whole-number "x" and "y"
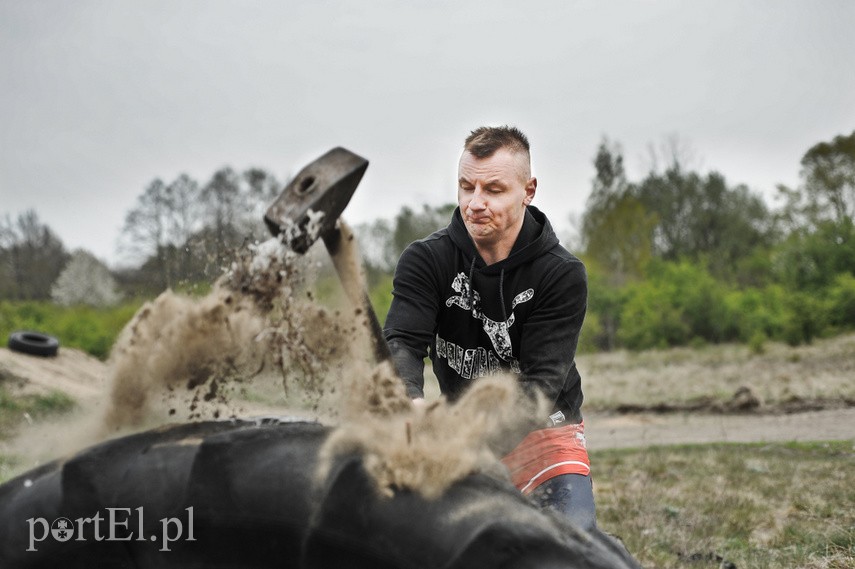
{"x": 409, "y": 367}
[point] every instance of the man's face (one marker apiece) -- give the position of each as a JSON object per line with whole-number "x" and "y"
{"x": 492, "y": 194}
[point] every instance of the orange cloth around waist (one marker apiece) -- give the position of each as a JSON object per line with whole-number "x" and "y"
{"x": 547, "y": 453}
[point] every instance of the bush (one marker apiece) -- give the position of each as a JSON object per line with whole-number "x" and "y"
{"x": 755, "y": 312}
{"x": 605, "y": 303}
{"x": 757, "y": 342}
{"x": 650, "y": 319}
{"x": 806, "y": 318}
{"x": 676, "y": 304}
{"x": 592, "y": 332}
{"x": 841, "y": 301}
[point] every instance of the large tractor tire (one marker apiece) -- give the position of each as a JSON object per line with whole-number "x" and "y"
{"x": 244, "y": 495}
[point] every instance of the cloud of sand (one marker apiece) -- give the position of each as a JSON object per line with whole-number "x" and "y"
{"x": 176, "y": 342}
{"x": 185, "y": 356}
{"x": 426, "y": 449}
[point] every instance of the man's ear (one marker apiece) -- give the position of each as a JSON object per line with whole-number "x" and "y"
{"x": 530, "y": 190}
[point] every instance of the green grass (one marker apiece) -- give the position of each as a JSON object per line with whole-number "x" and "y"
{"x": 15, "y": 409}
{"x": 92, "y": 330}
{"x": 755, "y": 505}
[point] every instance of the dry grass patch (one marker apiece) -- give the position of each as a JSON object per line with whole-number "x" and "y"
{"x": 783, "y": 378}
{"x": 781, "y": 505}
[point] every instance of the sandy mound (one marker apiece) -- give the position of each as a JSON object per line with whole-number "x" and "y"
{"x": 75, "y": 373}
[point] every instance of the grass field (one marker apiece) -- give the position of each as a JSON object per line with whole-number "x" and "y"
{"x": 718, "y": 505}
{"x": 782, "y": 378}
{"x": 750, "y": 505}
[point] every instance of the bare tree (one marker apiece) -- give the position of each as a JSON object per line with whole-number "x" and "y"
{"x": 672, "y": 153}
{"x": 259, "y": 190}
{"x": 146, "y": 229}
{"x": 183, "y": 213}
{"x": 221, "y": 199}
{"x": 31, "y": 257}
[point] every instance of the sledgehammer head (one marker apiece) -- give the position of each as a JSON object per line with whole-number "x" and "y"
{"x": 312, "y": 202}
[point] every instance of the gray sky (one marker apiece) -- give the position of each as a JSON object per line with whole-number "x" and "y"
{"x": 99, "y": 98}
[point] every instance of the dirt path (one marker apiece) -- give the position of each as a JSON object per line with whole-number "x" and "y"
{"x": 84, "y": 378}
{"x": 639, "y": 430}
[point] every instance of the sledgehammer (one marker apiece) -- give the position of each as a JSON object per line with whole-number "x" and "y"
{"x": 309, "y": 207}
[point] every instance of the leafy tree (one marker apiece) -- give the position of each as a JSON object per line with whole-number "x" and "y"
{"x": 616, "y": 227}
{"x": 819, "y": 218}
{"x": 604, "y": 309}
{"x": 841, "y": 301}
{"x": 811, "y": 259}
{"x": 383, "y": 241}
{"x": 671, "y": 214}
{"x": 701, "y": 218}
{"x": 412, "y": 225}
{"x": 31, "y": 257}
{"x": 828, "y": 171}
{"x": 85, "y": 280}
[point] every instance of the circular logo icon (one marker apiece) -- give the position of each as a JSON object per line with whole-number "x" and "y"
{"x": 62, "y": 529}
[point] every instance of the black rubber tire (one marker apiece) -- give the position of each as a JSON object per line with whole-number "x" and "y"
{"x": 33, "y": 343}
{"x": 257, "y": 503}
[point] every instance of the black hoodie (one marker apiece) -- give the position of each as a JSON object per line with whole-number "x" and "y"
{"x": 522, "y": 314}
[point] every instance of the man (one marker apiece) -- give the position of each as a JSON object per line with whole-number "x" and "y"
{"x": 495, "y": 291}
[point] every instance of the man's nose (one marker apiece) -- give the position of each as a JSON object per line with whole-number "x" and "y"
{"x": 477, "y": 202}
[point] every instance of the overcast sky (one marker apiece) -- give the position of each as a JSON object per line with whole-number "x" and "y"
{"x": 99, "y": 98}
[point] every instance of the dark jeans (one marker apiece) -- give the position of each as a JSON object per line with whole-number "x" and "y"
{"x": 571, "y": 495}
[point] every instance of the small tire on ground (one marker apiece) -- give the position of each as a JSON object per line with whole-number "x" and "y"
{"x": 33, "y": 343}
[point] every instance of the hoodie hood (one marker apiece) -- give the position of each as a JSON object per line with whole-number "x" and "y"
{"x": 536, "y": 238}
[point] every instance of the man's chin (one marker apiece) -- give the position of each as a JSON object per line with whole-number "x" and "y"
{"x": 479, "y": 232}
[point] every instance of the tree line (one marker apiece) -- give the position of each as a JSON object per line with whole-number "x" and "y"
{"x": 677, "y": 257}
{"x": 175, "y": 235}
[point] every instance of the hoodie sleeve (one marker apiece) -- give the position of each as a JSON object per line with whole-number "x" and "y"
{"x": 551, "y": 333}
{"x": 411, "y": 321}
